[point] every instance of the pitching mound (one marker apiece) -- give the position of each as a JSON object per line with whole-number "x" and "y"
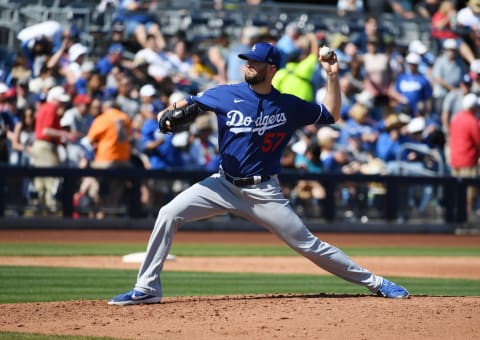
{"x": 255, "y": 317}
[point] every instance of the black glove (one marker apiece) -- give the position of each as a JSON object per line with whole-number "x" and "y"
{"x": 161, "y": 124}
{"x": 178, "y": 117}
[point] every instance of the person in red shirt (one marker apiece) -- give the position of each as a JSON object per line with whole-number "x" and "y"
{"x": 48, "y": 134}
{"x": 465, "y": 143}
{"x": 443, "y": 28}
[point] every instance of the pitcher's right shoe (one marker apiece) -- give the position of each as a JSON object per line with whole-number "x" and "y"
{"x": 134, "y": 297}
{"x": 392, "y": 290}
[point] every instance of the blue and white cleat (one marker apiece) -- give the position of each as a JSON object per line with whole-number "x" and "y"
{"x": 392, "y": 290}
{"x": 134, "y": 297}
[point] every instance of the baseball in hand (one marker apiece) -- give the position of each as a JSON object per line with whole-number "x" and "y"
{"x": 325, "y": 53}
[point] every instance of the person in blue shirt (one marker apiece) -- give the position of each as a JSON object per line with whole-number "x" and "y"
{"x": 161, "y": 153}
{"x": 112, "y": 59}
{"x": 391, "y": 139}
{"x": 413, "y": 89}
{"x": 255, "y": 122}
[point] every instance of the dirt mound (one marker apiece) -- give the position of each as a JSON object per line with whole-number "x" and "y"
{"x": 255, "y": 317}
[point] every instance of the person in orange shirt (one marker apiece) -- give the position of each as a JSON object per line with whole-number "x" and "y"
{"x": 109, "y": 135}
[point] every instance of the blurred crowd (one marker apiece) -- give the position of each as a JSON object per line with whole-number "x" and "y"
{"x": 409, "y": 110}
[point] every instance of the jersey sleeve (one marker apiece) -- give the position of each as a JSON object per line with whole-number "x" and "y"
{"x": 208, "y": 100}
{"x": 312, "y": 113}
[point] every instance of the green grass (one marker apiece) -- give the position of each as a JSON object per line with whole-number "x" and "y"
{"x": 77, "y": 249}
{"x": 36, "y": 284}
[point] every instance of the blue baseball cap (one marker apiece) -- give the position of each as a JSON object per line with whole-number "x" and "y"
{"x": 116, "y": 48}
{"x": 263, "y": 52}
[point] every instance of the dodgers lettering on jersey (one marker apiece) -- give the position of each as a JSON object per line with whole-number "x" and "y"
{"x": 254, "y": 129}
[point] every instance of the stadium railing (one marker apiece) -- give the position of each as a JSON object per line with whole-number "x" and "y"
{"x": 453, "y": 202}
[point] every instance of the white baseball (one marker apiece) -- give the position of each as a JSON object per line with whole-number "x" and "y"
{"x": 325, "y": 52}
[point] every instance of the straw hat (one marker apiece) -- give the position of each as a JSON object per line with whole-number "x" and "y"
{"x": 395, "y": 121}
{"x": 358, "y": 112}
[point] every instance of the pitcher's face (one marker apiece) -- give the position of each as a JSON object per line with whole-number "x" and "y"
{"x": 255, "y": 71}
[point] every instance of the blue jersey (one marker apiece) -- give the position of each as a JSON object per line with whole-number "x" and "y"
{"x": 416, "y": 87}
{"x": 254, "y": 129}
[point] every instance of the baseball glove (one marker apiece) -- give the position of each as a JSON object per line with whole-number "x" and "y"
{"x": 178, "y": 118}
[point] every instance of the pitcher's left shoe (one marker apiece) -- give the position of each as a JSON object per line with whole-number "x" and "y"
{"x": 134, "y": 297}
{"x": 392, "y": 290}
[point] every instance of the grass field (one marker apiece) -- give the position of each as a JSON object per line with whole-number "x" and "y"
{"x": 79, "y": 249}
{"x": 32, "y": 284}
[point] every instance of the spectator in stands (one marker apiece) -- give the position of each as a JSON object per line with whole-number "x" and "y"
{"x": 468, "y": 24}
{"x": 348, "y": 92}
{"x": 183, "y": 74}
{"x": 109, "y": 135}
{"x": 126, "y": 99}
{"x": 118, "y": 36}
{"x": 475, "y": 76}
{"x": 345, "y": 49}
{"x": 427, "y": 8}
{"x": 7, "y": 124}
{"x": 465, "y": 145}
{"x": 139, "y": 19}
{"x": 420, "y": 159}
{"x": 377, "y": 8}
{"x": 113, "y": 59}
{"x": 308, "y": 194}
{"x": 287, "y": 44}
{"x": 61, "y": 56}
{"x": 96, "y": 86}
{"x": 37, "y": 43}
{"x": 246, "y": 39}
{"x": 295, "y": 77}
{"x": 20, "y": 72}
{"x": 447, "y": 74}
{"x": 48, "y": 134}
{"x": 22, "y": 138}
{"x": 81, "y": 84}
{"x": 349, "y": 7}
{"x": 73, "y": 71}
{"x": 148, "y": 96}
{"x": 204, "y": 130}
{"x": 443, "y": 26}
{"x": 190, "y": 151}
{"x": 39, "y": 86}
{"x": 355, "y": 78}
{"x": 8, "y": 107}
{"x": 404, "y": 9}
{"x": 427, "y": 58}
{"x": 376, "y": 69}
{"x": 78, "y": 117}
{"x": 332, "y": 157}
{"x": 452, "y": 104}
{"x": 413, "y": 90}
{"x": 359, "y": 135}
{"x": 468, "y": 16}
{"x": 152, "y": 54}
{"x": 203, "y": 74}
{"x": 371, "y": 30}
{"x": 390, "y": 139}
{"x": 217, "y": 55}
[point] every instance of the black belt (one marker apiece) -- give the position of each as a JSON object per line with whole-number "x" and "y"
{"x": 245, "y": 181}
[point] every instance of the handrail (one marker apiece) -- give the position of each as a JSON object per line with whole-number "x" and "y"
{"x": 454, "y": 202}
{"x": 426, "y": 150}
